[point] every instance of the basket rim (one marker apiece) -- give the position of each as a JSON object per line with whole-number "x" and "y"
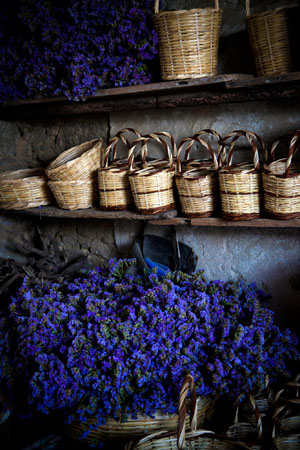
{"x": 57, "y": 163}
{"x": 271, "y": 11}
{"x": 4, "y": 176}
{"x": 269, "y": 171}
{"x": 187, "y": 11}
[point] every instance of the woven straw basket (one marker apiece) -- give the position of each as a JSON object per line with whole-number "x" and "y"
{"x": 179, "y": 440}
{"x": 76, "y": 194}
{"x": 286, "y": 418}
{"x": 281, "y": 181}
{"x": 240, "y": 184}
{"x": 271, "y": 39}
{"x": 142, "y": 426}
{"x": 113, "y": 183}
{"x": 245, "y": 431}
{"x": 188, "y": 41}
{"x": 23, "y": 189}
{"x": 188, "y": 163}
{"x": 198, "y": 187}
{"x": 152, "y": 186}
{"x": 80, "y": 162}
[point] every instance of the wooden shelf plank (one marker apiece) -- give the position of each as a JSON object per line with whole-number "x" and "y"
{"x": 228, "y": 88}
{"x": 91, "y": 213}
{"x": 166, "y": 218}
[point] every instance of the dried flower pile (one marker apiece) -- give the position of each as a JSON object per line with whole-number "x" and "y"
{"x": 74, "y": 48}
{"x": 115, "y": 344}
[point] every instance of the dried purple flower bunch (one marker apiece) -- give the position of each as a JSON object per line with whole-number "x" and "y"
{"x": 114, "y": 344}
{"x": 74, "y": 48}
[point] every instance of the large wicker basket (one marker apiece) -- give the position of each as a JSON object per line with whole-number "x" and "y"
{"x": 80, "y": 162}
{"x": 75, "y": 194}
{"x": 113, "y": 183}
{"x": 24, "y": 189}
{"x": 271, "y": 38}
{"x": 188, "y": 41}
{"x": 281, "y": 182}
{"x": 198, "y": 187}
{"x": 141, "y": 426}
{"x": 180, "y": 439}
{"x": 152, "y": 186}
{"x": 240, "y": 184}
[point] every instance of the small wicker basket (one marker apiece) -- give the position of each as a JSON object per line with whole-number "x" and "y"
{"x": 188, "y": 41}
{"x": 77, "y": 163}
{"x": 240, "y": 184}
{"x": 113, "y": 183}
{"x": 198, "y": 187}
{"x": 152, "y": 186}
{"x": 271, "y": 39}
{"x": 24, "y": 189}
{"x": 281, "y": 182}
{"x": 76, "y": 194}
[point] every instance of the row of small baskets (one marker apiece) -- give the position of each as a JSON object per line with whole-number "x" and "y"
{"x": 267, "y": 421}
{"x": 82, "y": 174}
{"x": 188, "y": 40}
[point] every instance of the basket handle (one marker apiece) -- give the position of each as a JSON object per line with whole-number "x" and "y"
{"x": 190, "y": 141}
{"x": 187, "y": 385}
{"x": 156, "y": 6}
{"x": 247, "y": 7}
{"x": 168, "y": 136}
{"x": 112, "y": 145}
{"x": 252, "y": 139}
{"x": 144, "y": 141}
{"x": 293, "y": 148}
{"x": 221, "y": 151}
{"x": 258, "y": 419}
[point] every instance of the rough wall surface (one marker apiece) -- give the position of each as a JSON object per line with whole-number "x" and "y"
{"x": 270, "y": 257}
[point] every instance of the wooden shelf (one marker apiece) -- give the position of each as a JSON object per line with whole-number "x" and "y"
{"x": 166, "y": 218}
{"x": 226, "y": 88}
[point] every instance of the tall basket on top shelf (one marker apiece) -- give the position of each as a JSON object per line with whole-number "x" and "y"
{"x": 188, "y": 41}
{"x": 272, "y": 39}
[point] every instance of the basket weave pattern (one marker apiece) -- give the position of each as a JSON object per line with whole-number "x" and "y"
{"x": 281, "y": 181}
{"x": 188, "y": 41}
{"x": 240, "y": 184}
{"x": 152, "y": 187}
{"x": 24, "y": 189}
{"x": 77, "y": 163}
{"x": 113, "y": 183}
{"x": 77, "y": 194}
{"x": 197, "y": 188}
{"x": 271, "y": 40}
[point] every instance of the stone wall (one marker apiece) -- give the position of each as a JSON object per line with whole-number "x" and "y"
{"x": 268, "y": 256}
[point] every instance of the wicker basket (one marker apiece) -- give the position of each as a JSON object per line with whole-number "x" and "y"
{"x": 113, "y": 183}
{"x": 245, "y": 431}
{"x": 179, "y": 440}
{"x": 240, "y": 184}
{"x": 188, "y": 41}
{"x": 77, "y": 163}
{"x": 286, "y": 417}
{"x": 23, "y": 189}
{"x": 281, "y": 182}
{"x": 198, "y": 187}
{"x": 76, "y": 194}
{"x": 141, "y": 426}
{"x": 271, "y": 39}
{"x": 188, "y": 163}
{"x": 152, "y": 186}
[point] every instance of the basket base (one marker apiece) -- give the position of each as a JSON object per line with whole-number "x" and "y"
{"x": 236, "y": 217}
{"x": 157, "y": 210}
{"x": 199, "y": 215}
{"x": 282, "y": 216}
{"x": 115, "y": 208}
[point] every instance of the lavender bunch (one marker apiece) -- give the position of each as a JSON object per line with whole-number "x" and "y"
{"x": 114, "y": 344}
{"x": 74, "y": 48}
